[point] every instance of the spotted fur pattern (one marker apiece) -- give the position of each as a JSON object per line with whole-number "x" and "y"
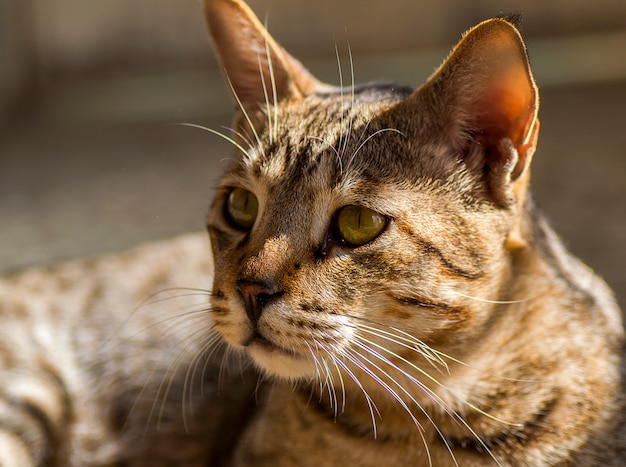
{"x": 103, "y": 362}
{"x": 463, "y": 334}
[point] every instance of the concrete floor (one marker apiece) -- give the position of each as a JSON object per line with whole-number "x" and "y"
{"x": 79, "y": 188}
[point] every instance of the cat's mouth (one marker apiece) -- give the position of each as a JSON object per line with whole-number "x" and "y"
{"x": 277, "y": 360}
{"x": 260, "y": 342}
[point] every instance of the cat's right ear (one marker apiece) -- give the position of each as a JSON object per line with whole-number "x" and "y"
{"x": 259, "y": 71}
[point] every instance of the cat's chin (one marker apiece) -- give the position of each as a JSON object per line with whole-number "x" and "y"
{"x": 280, "y": 363}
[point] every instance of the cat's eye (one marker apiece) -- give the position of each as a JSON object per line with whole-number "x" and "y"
{"x": 242, "y": 208}
{"x": 358, "y": 225}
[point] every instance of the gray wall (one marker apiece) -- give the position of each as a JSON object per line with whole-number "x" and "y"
{"x": 44, "y": 38}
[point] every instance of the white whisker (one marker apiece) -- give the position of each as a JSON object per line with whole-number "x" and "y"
{"x": 422, "y": 371}
{"x": 361, "y": 138}
{"x": 245, "y": 137}
{"x": 495, "y": 302}
{"x": 318, "y": 367}
{"x": 383, "y": 130}
{"x": 209, "y": 348}
{"x": 333, "y": 148}
{"x": 341, "y": 122}
{"x": 267, "y": 101}
{"x": 360, "y": 364}
{"x": 436, "y": 398}
{"x": 246, "y": 116}
{"x": 373, "y": 409}
{"x": 273, "y": 131}
{"x": 433, "y": 357}
{"x": 217, "y": 133}
{"x": 352, "y": 101}
{"x": 343, "y": 387}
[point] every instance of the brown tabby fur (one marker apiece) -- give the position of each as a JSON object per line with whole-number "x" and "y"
{"x": 464, "y": 334}
{"x": 96, "y": 369}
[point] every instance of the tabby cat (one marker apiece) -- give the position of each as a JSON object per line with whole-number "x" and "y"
{"x": 378, "y": 258}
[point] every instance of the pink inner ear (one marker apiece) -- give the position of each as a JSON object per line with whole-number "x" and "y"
{"x": 506, "y": 107}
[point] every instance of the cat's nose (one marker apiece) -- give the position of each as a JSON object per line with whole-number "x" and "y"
{"x": 256, "y": 294}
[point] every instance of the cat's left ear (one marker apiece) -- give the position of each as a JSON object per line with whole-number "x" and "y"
{"x": 487, "y": 101}
{"x": 259, "y": 70}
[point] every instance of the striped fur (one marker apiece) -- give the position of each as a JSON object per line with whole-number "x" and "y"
{"x": 463, "y": 333}
{"x": 105, "y": 362}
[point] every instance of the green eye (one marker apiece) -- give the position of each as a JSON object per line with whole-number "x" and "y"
{"x": 242, "y": 208}
{"x": 358, "y": 225}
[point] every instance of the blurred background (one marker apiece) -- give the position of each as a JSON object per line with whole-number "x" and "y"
{"x": 92, "y": 158}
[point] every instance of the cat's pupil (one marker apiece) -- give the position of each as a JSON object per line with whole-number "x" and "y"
{"x": 242, "y": 208}
{"x": 358, "y": 225}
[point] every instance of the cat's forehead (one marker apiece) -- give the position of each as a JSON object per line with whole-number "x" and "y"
{"x": 337, "y": 112}
{"x": 326, "y": 137}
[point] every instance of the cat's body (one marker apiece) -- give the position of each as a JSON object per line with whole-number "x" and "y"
{"x": 102, "y": 363}
{"x": 377, "y": 254}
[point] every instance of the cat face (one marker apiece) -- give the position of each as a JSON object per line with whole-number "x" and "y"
{"x": 321, "y": 283}
{"x": 369, "y": 223}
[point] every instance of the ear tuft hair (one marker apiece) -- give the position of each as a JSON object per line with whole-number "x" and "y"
{"x": 516, "y": 19}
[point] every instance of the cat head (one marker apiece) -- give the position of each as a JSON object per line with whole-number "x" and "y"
{"x": 366, "y": 217}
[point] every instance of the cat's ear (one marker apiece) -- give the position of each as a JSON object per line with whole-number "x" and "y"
{"x": 488, "y": 100}
{"x": 259, "y": 70}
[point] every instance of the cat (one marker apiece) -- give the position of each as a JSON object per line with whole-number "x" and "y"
{"x": 103, "y": 363}
{"x": 378, "y": 253}
{"x": 383, "y": 291}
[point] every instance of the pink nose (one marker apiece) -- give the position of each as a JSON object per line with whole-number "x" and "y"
{"x": 256, "y": 294}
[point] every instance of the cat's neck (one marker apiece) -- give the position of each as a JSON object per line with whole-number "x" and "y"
{"x": 494, "y": 399}
{"x": 396, "y": 436}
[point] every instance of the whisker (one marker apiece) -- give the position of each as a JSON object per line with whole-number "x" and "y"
{"x": 217, "y": 133}
{"x": 341, "y": 128}
{"x": 270, "y": 68}
{"x": 433, "y": 396}
{"x": 267, "y": 101}
{"x": 171, "y": 320}
{"x": 156, "y": 301}
{"x": 356, "y": 361}
{"x": 343, "y": 387}
{"x": 373, "y": 409}
{"x": 383, "y": 130}
{"x": 246, "y": 116}
{"x": 430, "y": 393}
{"x": 322, "y": 374}
{"x": 361, "y": 138}
{"x": 204, "y": 352}
{"x": 318, "y": 367}
{"x": 350, "y": 355}
{"x": 164, "y": 391}
{"x": 428, "y": 375}
{"x": 272, "y": 129}
{"x": 495, "y": 302}
{"x": 245, "y": 136}
{"x": 362, "y": 362}
{"x": 352, "y": 101}
{"x": 333, "y": 148}
{"x": 147, "y": 302}
{"x": 219, "y": 345}
{"x": 432, "y": 355}
{"x": 330, "y": 386}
